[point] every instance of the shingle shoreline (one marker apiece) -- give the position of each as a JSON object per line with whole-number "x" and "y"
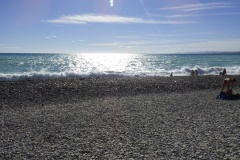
{"x": 66, "y": 90}
{"x": 111, "y": 118}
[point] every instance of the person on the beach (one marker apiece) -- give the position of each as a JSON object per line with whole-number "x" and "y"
{"x": 171, "y": 74}
{"x": 192, "y": 73}
{"x": 224, "y": 72}
{"x": 229, "y": 83}
{"x": 196, "y": 73}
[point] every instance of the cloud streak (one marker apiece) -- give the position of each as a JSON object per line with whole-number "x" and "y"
{"x": 3, "y": 46}
{"x": 198, "y": 15}
{"x": 50, "y": 37}
{"x": 200, "y": 6}
{"x": 92, "y": 18}
{"x": 173, "y": 46}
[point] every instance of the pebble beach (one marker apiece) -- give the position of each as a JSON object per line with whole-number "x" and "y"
{"x": 119, "y": 118}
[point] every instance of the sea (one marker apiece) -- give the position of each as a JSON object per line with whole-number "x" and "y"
{"x": 19, "y": 66}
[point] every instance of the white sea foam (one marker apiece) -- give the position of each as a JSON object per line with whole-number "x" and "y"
{"x": 184, "y": 71}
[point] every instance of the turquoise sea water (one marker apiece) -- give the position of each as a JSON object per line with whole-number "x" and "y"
{"x": 42, "y": 66}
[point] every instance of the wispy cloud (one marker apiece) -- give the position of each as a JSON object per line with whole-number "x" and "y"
{"x": 200, "y": 15}
{"x": 193, "y": 15}
{"x": 140, "y": 43}
{"x": 107, "y": 44}
{"x": 201, "y": 6}
{"x": 131, "y": 37}
{"x": 173, "y": 46}
{"x": 16, "y": 48}
{"x": 7, "y": 47}
{"x": 91, "y": 18}
{"x": 48, "y": 37}
{"x": 180, "y": 34}
{"x": 81, "y": 40}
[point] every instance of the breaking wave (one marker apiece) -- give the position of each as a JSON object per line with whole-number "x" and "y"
{"x": 184, "y": 71}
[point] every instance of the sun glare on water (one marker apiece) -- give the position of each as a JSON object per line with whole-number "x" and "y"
{"x": 105, "y": 63}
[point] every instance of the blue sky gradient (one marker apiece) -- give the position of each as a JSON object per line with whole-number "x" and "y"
{"x": 119, "y": 26}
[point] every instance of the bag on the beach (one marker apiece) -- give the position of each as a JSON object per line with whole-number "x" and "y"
{"x": 226, "y": 96}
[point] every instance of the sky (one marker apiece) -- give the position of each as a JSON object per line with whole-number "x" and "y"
{"x": 119, "y": 26}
